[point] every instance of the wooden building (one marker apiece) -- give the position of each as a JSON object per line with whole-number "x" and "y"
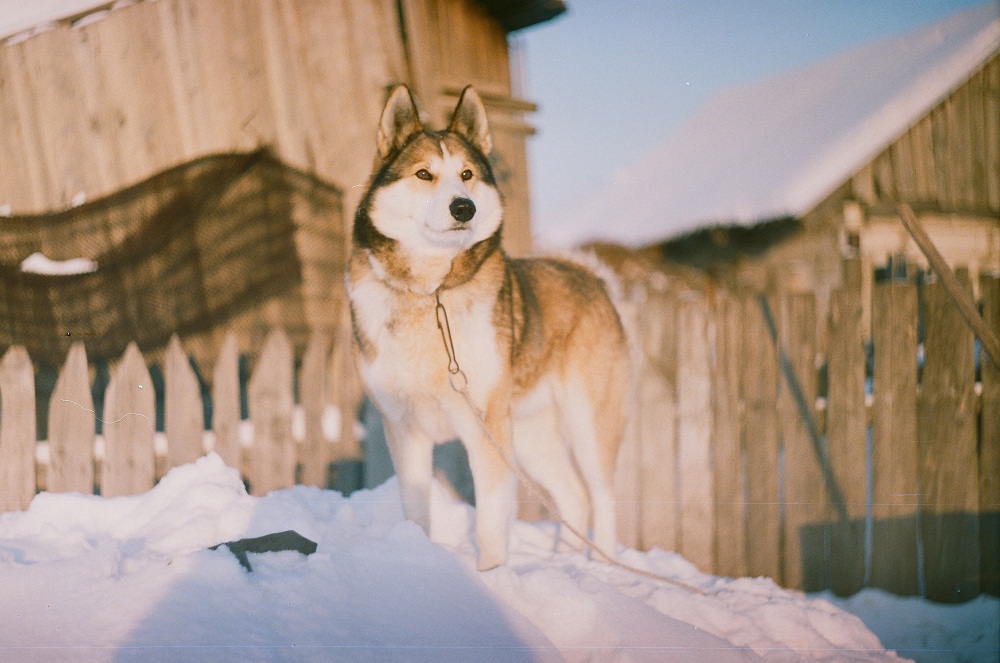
{"x": 96, "y": 96}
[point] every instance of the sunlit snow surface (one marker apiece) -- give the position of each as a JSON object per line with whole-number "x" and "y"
{"x": 87, "y": 578}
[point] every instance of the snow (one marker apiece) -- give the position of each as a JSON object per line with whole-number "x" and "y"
{"x": 780, "y": 146}
{"x": 20, "y": 19}
{"x": 88, "y": 578}
{"x": 39, "y": 263}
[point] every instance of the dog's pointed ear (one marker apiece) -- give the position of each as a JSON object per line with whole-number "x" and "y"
{"x": 469, "y": 120}
{"x": 400, "y": 120}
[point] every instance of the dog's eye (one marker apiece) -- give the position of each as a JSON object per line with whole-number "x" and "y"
{"x": 466, "y": 175}
{"x": 424, "y": 174}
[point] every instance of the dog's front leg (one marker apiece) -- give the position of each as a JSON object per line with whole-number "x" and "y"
{"x": 495, "y": 487}
{"x": 412, "y": 455}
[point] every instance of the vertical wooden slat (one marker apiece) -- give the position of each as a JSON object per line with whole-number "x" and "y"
{"x": 694, "y": 434}
{"x": 989, "y": 446}
{"x": 184, "y": 420}
{"x": 804, "y": 494}
{"x": 846, "y": 433}
{"x": 729, "y": 480}
{"x": 627, "y": 486}
{"x": 759, "y": 380}
{"x": 658, "y": 428}
{"x": 949, "y": 475}
{"x": 71, "y": 427}
{"x": 226, "y": 403}
{"x": 272, "y": 458}
{"x": 17, "y": 430}
{"x": 129, "y": 416}
{"x": 314, "y": 455}
{"x": 894, "y": 439}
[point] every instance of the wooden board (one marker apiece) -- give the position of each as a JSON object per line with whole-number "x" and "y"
{"x": 804, "y": 495}
{"x": 846, "y": 433}
{"x": 226, "y": 404}
{"x": 71, "y": 427}
{"x": 184, "y": 419}
{"x": 759, "y": 386}
{"x": 272, "y": 457}
{"x": 989, "y": 446}
{"x": 894, "y": 439}
{"x": 728, "y": 458}
{"x": 694, "y": 433}
{"x": 129, "y": 416}
{"x": 949, "y": 474}
{"x": 314, "y": 456}
{"x": 658, "y": 507}
{"x": 17, "y": 430}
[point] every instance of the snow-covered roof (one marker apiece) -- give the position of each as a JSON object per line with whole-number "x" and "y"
{"x": 780, "y": 146}
{"x": 20, "y": 18}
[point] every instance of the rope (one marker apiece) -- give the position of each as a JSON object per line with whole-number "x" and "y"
{"x": 460, "y": 383}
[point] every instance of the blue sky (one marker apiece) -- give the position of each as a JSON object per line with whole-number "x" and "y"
{"x": 613, "y": 78}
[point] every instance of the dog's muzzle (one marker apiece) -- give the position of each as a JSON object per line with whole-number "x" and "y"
{"x": 462, "y": 209}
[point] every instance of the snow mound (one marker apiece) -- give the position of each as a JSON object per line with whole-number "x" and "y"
{"x": 131, "y": 579}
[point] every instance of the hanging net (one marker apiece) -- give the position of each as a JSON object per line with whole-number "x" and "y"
{"x": 182, "y": 252}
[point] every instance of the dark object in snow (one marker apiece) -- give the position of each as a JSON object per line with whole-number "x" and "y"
{"x": 287, "y": 540}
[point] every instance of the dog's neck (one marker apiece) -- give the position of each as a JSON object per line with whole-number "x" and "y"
{"x": 426, "y": 275}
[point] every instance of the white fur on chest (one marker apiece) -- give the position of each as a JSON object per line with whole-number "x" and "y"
{"x": 408, "y": 377}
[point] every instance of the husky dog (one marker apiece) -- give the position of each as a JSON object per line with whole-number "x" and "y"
{"x": 539, "y": 341}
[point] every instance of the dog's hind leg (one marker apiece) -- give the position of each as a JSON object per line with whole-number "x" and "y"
{"x": 542, "y": 454}
{"x": 412, "y": 455}
{"x": 594, "y": 433}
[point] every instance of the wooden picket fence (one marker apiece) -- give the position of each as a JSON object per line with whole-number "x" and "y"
{"x": 766, "y": 438}
{"x": 756, "y": 449}
{"x": 130, "y": 461}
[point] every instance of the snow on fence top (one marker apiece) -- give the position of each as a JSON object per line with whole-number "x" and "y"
{"x": 780, "y": 146}
{"x": 19, "y": 18}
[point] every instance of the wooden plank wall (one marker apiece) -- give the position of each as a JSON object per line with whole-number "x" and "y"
{"x": 829, "y": 468}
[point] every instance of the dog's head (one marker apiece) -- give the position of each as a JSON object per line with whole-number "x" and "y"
{"x": 432, "y": 192}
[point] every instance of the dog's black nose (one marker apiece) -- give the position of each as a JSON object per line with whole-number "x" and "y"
{"x": 462, "y": 209}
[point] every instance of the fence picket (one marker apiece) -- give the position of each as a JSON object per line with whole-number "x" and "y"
{"x": 989, "y": 448}
{"x": 71, "y": 427}
{"x": 694, "y": 434}
{"x": 129, "y": 415}
{"x": 17, "y": 430}
{"x": 949, "y": 463}
{"x": 804, "y": 494}
{"x": 314, "y": 457}
{"x": 226, "y": 403}
{"x": 272, "y": 459}
{"x": 658, "y": 428}
{"x": 847, "y": 433}
{"x": 184, "y": 419}
{"x": 759, "y": 388}
{"x": 894, "y": 438}
{"x": 729, "y": 481}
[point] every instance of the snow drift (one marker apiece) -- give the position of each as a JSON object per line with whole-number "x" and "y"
{"x": 87, "y": 578}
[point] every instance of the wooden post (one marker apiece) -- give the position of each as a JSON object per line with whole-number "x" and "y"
{"x": 184, "y": 419}
{"x": 627, "y": 474}
{"x": 272, "y": 458}
{"x": 226, "y": 403}
{"x": 847, "y": 433}
{"x": 729, "y": 481}
{"x": 17, "y": 430}
{"x": 72, "y": 427}
{"x": 759, "y": 378}
{"x": 694, "y": 434}
{"x": 949, "y": 462}
{"x": 804, "y": 496}
{"x": 894, "y": 439}
{"x": 989, "y": 447}
{"x": 129, "y": 416}
{"x": 314, "y": 456}
{"x": 658, "y": 506}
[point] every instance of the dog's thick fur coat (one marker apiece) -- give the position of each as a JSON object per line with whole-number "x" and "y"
{"x": 540, "y": 341}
